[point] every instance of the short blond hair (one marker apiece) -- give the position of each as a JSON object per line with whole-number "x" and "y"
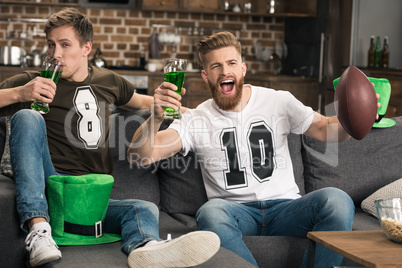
{"x": 216, "y": 41}
{"x": 74, "y": 18}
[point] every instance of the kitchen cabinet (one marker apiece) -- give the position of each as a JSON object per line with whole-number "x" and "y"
{"x": 201, "y": 5}
{"x": 163, "y": 5}
{"x": 197, "y": 91}
{"x": 303, "y": 88}
{"x": 298, "y": 8}
{"x": 288, "y": 8}
{"x": 181, "y": 5}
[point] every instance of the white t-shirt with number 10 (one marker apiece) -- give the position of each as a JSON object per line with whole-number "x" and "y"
{"x": 244, "y": 156}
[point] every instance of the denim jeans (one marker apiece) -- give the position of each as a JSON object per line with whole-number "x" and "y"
{"x": 135, "y": 220}
{"x": 327, "y": 209}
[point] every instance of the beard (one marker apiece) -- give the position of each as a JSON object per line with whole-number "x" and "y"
{"x": 227, "y": 102}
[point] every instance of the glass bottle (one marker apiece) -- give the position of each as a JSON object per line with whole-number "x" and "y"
{"x": 385, "y": 53}
{"x": 377, "y": 53}
{"x": 370, "y": 60}
{"x": 142, "y": 57}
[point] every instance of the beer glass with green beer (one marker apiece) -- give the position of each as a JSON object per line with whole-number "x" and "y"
{"x": 52, "y": 69}
{"x": 175, "y": 71}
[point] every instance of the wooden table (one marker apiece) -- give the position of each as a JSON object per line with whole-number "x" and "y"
{"x": 369, "y": 248}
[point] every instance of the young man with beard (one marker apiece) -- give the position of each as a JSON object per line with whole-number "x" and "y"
{"x": 58, "y": 144}
{"x": 240, "y": 137}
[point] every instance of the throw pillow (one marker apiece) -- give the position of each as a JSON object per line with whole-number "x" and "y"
{"x": 181, "y": 185}
{"x": 393, "y": 189}
{"x": 5, "y": 164}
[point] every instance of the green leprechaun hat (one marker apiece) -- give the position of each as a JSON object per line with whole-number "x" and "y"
{"x": 383, "y": 87}
{"x": 77, "y": 208}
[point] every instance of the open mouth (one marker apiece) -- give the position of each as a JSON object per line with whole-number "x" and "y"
{"x": 227, "y": 86}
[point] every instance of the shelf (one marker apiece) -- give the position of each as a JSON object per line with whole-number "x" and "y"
{"x": 23, "y": 20}
{"x": 262, "y": 14}
{"x": 39, "y": 3}
{"x": 241, "y": 14}
{"x": 265, "y": 14}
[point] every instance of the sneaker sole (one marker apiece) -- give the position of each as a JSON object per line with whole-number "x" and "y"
{"x": 184, "y": 251}
{"x": 45, "y": 257}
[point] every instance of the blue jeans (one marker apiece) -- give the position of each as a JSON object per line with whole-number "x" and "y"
{"x": 137, "y": 221}
{"x": 327, "y": 209}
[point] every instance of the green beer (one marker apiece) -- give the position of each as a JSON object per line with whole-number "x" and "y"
{"x": 175, "y": 72}
{"x": 176, "y": 78}
{"x": 52, "y": 70}
{"x": 49, "y": 74}
{"x": 40, "y": 107}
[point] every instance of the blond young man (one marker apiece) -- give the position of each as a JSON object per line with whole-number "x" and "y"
{"x": 240, "y": 139}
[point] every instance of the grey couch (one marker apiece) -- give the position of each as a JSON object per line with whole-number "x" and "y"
{"x": 175, "y": 185}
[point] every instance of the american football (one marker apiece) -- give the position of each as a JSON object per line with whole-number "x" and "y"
{"x": 355, "y": 102}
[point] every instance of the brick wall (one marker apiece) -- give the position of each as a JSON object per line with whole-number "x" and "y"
{"x": 120, "y": 34}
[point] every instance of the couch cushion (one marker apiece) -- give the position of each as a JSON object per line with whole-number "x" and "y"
{"x": 130, "y": 181}
{"x": 391, "y": 190}
{"x": 364, "y": 221}
{"x": 277, "y": 251}
{"x": 357, "y": 167}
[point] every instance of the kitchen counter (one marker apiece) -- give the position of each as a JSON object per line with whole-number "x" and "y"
{"x": 304, "y": 89}
{"x": 250, "y": 76}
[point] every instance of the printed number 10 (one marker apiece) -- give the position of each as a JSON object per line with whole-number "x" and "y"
{"x": 261, "y": 151}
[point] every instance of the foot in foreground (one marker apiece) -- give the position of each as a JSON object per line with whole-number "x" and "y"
{"x": 185, "y": 251}
{"x": 41, "y": 247}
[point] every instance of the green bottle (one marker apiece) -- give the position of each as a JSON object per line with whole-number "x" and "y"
{"x": 370, "y": 60}
{"x": 385, "y": 53}
{"x": 377, "y": 53}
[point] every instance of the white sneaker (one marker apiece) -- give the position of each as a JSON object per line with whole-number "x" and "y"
{"x": 185, "y": 251}
{"x": 42, "y": 248}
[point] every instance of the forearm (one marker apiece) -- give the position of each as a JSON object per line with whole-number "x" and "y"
{"x": 139, "y": 101}
{"x": 335, "y": 131}
{"x": 10, "y": 102}
{"x": 326, "y": 129}
{"x": 147, "y": 102}
{"x": 8, "y": 96}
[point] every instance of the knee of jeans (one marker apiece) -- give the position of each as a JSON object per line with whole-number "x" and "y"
{"x": 338, "y": 200}
{"x": 144, "y": 206}
{"x": 26, "y": 118}
{"x": 212, "y": 210}
{"x": 152, "y": 207}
